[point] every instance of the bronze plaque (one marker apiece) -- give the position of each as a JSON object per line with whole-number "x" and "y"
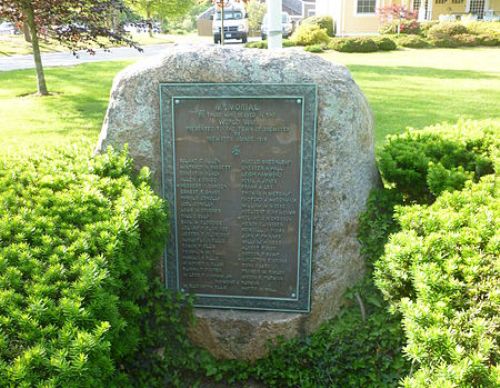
{"x": 233, "y": 162}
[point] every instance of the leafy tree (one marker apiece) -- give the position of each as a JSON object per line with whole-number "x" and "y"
{"x": 160, "y": 9}
{"x": 256, "y": 11}
{"x": 77, "y": 24}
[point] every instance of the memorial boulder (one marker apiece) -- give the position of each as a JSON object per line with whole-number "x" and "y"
{"x": 266, "y": 160}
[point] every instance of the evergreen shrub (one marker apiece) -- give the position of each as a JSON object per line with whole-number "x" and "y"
{"x": 425, "y": 26}
{"x": 324, "y": 22}
{"x": 411, "y": 41}
{"x": 422, "y": 164}
{"x": 446, "y": 34}
{"x": 447, "y": 29}
{"x": 467, "y": 40}
{"x": 79, "y": 238}
{"x": 262, "y": 44}
{"x": 384, "y": 43}
{"x": 314, "y": 48}
{"x": 488, "y": 40}
{"x": 309, "y": 34}
{"x": 258, "y": 44}
{"x": 442, "y": 273}
{"x": 491, "y": 29}
{"x": 353, "y": 45}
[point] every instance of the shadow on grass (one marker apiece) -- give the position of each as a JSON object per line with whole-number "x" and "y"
{"x": 85, "y": 95}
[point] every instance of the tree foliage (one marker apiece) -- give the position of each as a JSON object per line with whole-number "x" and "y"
{"x": 160, "y": 9}
{"x": 77, "y": 24}
{"x": 256, "y": 11}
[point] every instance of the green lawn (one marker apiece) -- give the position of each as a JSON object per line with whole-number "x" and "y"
{"x": 405, "y": 88}
{"x": 416, "y": 88}
{"x": 75, "y": 109}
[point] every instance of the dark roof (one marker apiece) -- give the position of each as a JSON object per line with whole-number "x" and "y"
{"x": 206, "y": 14}
{"x": 293, "y": 7}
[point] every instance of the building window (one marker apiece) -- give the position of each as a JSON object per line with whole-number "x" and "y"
{"x": 457, "y": 1}
{"x": 477, "y": 8}
{"x": 416, "y": 5}
{"x": 366, "y": 6}
{"x": 441, "y": 1}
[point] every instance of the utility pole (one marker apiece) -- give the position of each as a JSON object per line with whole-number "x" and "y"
{"x": 274, "y": 38}
{"x": 222, "y": 22}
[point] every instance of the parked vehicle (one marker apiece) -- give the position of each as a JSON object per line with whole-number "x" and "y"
{"x": 235, "y": 22}
{"x": 8, "y": 28}
{"x": 286, "y": 26}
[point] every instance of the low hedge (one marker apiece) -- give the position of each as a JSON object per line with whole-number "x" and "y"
{"x": 79, "y": 239}
{"x": 422, "y": 164}
{"x": 441, "y": 272}
{"x": 324, "y": 22}
{"x": 315, "y": 48}
{"x": 412, "y": 41}
{"x": 488, "y": 40}
{"x": 446, "y": 29}
{"x": 456, "y": 34}
{"x": 425, "y": 26}
{"x": 353, "y": 45}
{"x": 384, "y": 43}
{"x": 262, "y": 44}
{"x": 483, "y": 28}
{"x": 460, "y": 40}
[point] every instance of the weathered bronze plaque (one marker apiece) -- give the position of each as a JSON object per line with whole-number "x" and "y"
{"x": 238, "y": 171}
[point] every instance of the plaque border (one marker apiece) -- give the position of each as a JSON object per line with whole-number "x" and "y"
{"x": 169, "y": 92}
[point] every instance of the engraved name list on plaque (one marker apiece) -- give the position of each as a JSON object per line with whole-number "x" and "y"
{"x": 238, "y": 172}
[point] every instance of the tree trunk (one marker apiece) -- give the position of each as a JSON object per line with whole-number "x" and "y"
{"x": 115, "y": 20}
{"x": 30, "y": 19}
{"x": 149, "y": 22}
{"x": 26, "y": 32}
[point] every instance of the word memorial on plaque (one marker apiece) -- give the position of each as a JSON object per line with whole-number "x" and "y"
{"x": 238, "y": 166}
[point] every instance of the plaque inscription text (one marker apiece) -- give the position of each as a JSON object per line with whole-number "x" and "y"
{"x": 233, "y": 162}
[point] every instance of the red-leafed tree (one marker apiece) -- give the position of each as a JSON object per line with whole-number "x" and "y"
{"x": 77, "y": 24}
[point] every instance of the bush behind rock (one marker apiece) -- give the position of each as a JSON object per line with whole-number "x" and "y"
{"x": 422, "y": 164}
{"x": 309, "y": 34}
{"x": 324, "y": 22}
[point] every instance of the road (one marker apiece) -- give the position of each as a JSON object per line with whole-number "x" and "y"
{"x": 17, "y": 62}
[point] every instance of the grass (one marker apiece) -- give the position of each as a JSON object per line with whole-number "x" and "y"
{"x": 416, "y": 88}
{"x": 75, "y": 109}
{"x": 16, "y": 45}
{"x": 411, "y": 88}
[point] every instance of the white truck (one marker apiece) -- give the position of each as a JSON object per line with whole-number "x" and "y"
{"x": 234, "y": 22}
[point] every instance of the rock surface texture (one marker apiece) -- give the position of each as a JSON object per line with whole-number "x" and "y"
{"x": 345, "y": 173}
